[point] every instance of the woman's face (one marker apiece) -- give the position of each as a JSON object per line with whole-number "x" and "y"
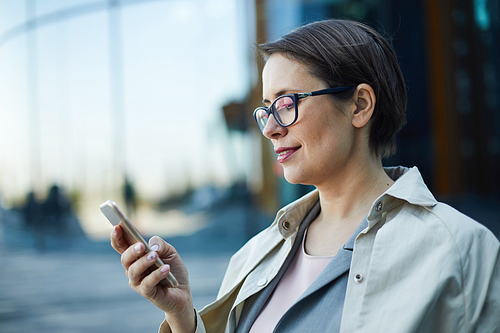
{"x": 321, "y": 143}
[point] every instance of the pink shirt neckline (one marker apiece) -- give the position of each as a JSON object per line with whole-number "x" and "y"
{"x": 301, "y": 273}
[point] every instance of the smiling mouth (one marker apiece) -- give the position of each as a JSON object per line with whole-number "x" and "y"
{"x": 285, "y": 152}
{"x": 284, "y": 155}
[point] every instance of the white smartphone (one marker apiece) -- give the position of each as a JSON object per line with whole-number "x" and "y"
{"x": 114, "y": 214}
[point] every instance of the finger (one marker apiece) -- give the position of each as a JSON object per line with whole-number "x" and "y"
{"x": 132, "y": 254}
{"x": 141, "y": 268}
{"x": 118, "y": 242}
{"x": 150, "y": 281}
{"x": 169, "y": 255}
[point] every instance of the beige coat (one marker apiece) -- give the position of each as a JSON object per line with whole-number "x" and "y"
{"x": 419, "y": 266}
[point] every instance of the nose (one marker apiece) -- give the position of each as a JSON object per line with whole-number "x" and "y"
{"x": 273, "y": 129}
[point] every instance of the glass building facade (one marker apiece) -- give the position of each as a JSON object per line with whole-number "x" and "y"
{"x": 449, "y": 54}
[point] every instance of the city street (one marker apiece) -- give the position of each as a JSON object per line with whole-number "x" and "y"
{"x": 78, "y": 292}
{"x": 66, "y": 283}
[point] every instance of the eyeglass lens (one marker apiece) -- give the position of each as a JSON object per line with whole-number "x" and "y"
{"x": 282, "y": 108}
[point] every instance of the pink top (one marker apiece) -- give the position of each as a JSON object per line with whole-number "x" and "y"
{"x": 303, "y": 270}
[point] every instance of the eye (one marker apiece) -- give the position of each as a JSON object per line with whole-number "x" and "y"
{"x": 284, "y": 104}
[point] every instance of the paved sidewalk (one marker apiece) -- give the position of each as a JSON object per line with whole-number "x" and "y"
{"x": 78, "y": 292}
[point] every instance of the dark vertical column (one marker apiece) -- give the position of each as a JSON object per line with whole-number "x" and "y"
{"x": 445, "y": 119}
{"x": 268, "y": 193}
{"x": 471, "y": 45}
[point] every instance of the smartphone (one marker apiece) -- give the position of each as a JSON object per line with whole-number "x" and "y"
{"x": 114, "y": 214}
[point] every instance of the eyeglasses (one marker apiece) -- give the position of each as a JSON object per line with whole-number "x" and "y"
{"x": 284, "y": 108}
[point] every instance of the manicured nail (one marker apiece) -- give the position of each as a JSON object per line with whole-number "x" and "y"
{"x": 164, "y": 268}
{"x": 137, "y": 247}
{"x": 151, "y": 255}
{"x": 155, "y": 247}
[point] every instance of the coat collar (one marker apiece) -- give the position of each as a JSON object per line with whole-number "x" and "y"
{"x": 408, "y": 187}
{"x": 291, "y": 216}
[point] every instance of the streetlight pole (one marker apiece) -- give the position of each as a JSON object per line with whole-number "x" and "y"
{"x": 33, "y": 98}
{"x": 116, "y": 89}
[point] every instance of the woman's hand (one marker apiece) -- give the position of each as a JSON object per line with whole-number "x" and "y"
{"x": 144, "y": 277}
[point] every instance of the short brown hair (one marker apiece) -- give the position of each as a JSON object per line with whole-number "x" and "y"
{"x": 348, "y": 53}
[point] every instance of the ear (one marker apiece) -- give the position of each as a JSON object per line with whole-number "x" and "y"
{"x": 364, "y": 100}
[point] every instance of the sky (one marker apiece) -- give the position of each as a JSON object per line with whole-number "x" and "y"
{"x": 181, "y": 62}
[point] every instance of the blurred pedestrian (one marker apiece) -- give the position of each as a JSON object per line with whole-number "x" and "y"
{"x": 56, "y": 211}
{"x": 370, "y": 249}
{"x": 33, "y": 219}
{"x": 130, "y": 197}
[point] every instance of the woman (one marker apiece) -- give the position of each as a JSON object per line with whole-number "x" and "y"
{"x": 370, "y": 250}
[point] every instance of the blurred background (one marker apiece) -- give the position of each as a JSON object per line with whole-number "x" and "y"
{"x": 149, "y": 103}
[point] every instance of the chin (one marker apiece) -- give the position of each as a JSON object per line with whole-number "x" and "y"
{"x": 294, "y": 178}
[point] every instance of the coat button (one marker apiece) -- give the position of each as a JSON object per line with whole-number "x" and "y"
{"x": 262, "y": 282}
{"x": 358, "y": 278}
{"x": 379, "y": 206}
{"x": 286, "y": 225}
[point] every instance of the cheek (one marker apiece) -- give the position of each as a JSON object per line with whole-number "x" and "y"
{"x": 333, "y": 127}
{"x": 332, "y": 138}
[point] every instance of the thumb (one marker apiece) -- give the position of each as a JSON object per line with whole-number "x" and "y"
{"x": 163, "y": 248}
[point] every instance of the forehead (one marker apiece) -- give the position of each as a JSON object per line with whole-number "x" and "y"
{"x": 282, "y": 74}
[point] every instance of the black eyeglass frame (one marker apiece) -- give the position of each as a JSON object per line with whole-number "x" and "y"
{"x": 296, "y": 97}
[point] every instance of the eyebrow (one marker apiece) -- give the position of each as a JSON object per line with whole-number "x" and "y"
{"x": 278, "y": 94}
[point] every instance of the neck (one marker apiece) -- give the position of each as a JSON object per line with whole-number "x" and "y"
{"x": 348, "y": 196}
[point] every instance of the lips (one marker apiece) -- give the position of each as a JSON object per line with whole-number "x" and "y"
{"x": 285, "y": 153}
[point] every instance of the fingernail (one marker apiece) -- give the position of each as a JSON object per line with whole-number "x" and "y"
{"x": 137, "y": 247}
{"x": 164, "y": 268}
{"x": 114, "y": 230}
{"x": 154, "y": 247}
{"x": 151, "y": 255}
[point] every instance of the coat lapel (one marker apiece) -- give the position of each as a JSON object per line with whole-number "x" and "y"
{"x": 254, "y": 304}
{"x": 339, "y": 264}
